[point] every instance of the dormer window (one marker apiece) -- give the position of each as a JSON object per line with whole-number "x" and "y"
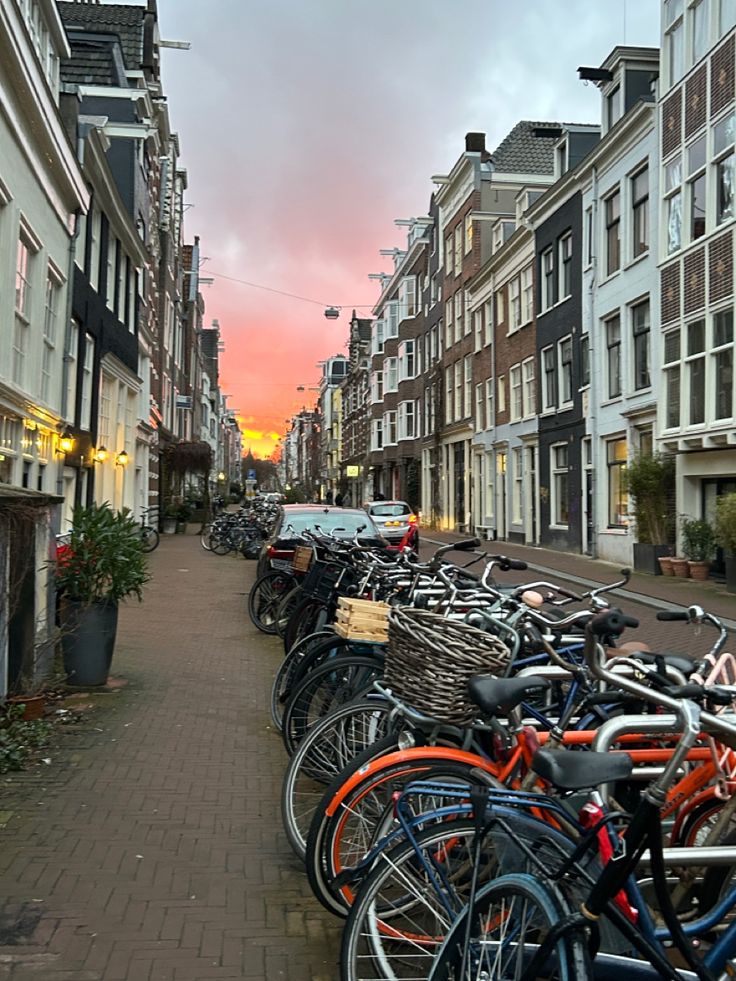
{"x": 613, "y": 107}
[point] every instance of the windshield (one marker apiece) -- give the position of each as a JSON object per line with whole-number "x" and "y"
{"x": 329, "y": 522}
{"x": 390, "y": 510}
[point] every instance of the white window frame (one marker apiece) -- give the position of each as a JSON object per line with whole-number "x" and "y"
{"x": 565, "y": 267}
{"x": 547, "y": 286}
{"x": 565, "y": 371}
{"x": 516, "y": 400}
{"x": 529, "y": 382}
{"x": 557, "y": 469}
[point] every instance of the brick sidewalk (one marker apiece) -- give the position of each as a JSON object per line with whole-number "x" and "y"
{"x": 151, "y": 848}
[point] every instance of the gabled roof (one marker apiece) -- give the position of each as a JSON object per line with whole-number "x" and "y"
{"x": 364, "y": 328}
{"x": 523, "y": 152}
{"x": 122, "y": 19}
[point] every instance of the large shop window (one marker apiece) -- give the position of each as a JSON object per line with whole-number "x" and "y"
{"x": 618, "y": 501}
{"x": 560, "y": 485}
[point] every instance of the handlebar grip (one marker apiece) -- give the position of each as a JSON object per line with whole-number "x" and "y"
{"x": 684, "y": 691}
{"x": 612, "y": 622}
{"x": 673, "y": 615}
{"x": 467, "y": 545}
{"x": 518, "y": 565}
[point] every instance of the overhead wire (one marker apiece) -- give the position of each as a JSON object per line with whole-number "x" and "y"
{"x": 293, "y": 296}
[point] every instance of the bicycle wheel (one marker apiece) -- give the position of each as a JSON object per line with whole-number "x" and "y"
{"x": 357, "y": 810}
{"x": 337, "y": 681}
{"x": 282, "y": 683}
{"x": 220, "y": 544}
{"x": 204, "y": 537}
{"x": 264, "y": 598}
{"x": 149, "y": 538}
{"x": 286, "y": 608}
{"x": 509, "y": 926}
{"x": 308, "y": 615}
{"x": 329, "y": 746}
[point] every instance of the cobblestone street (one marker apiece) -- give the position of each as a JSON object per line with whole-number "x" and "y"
{"x": 150, "y": 848}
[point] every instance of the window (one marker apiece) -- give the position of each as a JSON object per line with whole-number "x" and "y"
{"x": 640, "y": 328}
{"x": 377, "y": 386}
{"x": 560, "y": 485}
{"x": 613, "y": 106}
{"x": 458, "y": 249}
{"x": 490, "y": 418}
{"x": 468, "y": 233}
{"x": 501, "y": 393}
{"x": 449, "y": 338}
{"x": 94, "y": 248}
{"x": 459, "y": 304}
{"x": 488, "y": 320}
{"x": 549, "y": 379}
{"x": 85, "y": 408}
{"x": 696, "y": 370}
{"x": 377, "y": 440}
{"x": 468, "y": 385}
{"x": 112, "y": 244}
{"x": 448, "y": 255}
{"x": 565, "y": 354}
{"x": 673, "y": 39}
{"x": 673, "y": 197}
{"x": 698, "y": 30}
{"x": 377, "y": 330}
{"x": 589, "y": 237}
{"x": 71, "y": 347}
{"x": 640, "y": 213}
{"x": 458, "y": 372}
{"x": 723, "y": 364}
{"x": 618, "y": 501}
{"x": 527, "y": 294}
{"x": 723, "y": 148}
{"x": 613, "y": 345}
{"x": 530, "y": 389}
{"x": 104, "y": 434}
{"x": 390, "y": 375}
{"x": 500, "y": 304}
{"x": 479, "y": 406}
{"x": 516, "y": 493}
{"x": 391, "y": 328}
{"x": 613, "y": 232}
{"x": 517, "y": 406}
{"x": 696, "y": 160}
{"x": 448, "y": 394}
{"x": 548, "y": 279}
{"x": 585, "y": 360}
{"x": 515, "y": 303}
{"x": 408, "y": 297}
{"x": 53, "y": 288}
{"x": 672, "y": 378}
{"x": 406, "y": 420}
{"x": 726, "y": 16}
{"x": 565, "y": 266}
{"x": 479, "y": 326}
{"x": 389, "y": 428}
{"x": 22, "y": 275}
{"x": 407, "y": 368}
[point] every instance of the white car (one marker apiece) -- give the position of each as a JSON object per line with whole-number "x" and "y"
{"x": 394, "y": 519}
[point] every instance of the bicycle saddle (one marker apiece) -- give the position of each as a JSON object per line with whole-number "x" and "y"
{"x": 498, "y": 696}
{"x": 567, "y": 770}
{"x": 680, "y": 662}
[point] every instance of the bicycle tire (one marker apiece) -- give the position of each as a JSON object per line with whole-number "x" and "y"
{"x": 514, "y": 905}
{"x": 307, "y": 616}
{"x": 282, "y": 686}
{"x": 329, "y": 746}
{"x": 150, "y": 539}
{"x": 220, "y": 546}
{"x": 357, "y": 806}
{"x": 333, "y": 683}
{"x": 204, "y": 537}
{"x": 264, "y": 598}
{"x": 285, "y": 610}
{"x": 318, "y": 653}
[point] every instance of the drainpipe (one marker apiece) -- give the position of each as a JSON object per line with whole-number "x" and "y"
{"x": 593, "y": 389}
{"x": 67, "y": 340}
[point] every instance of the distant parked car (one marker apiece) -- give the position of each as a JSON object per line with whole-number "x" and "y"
{"x": 396, "y": 522}
{"x": 278, "y": 549}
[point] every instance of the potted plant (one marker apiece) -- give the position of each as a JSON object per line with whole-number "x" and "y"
{"x": 170, "y": 519}
{"x": 725, "y": 528}
{"x": 649, "y": 480}
{"x": 698, "y": 546}
{"x": 103, "y": 564}
{"x": 183, "y": 514}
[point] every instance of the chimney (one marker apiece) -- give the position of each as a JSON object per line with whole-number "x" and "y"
{"x": 475, "y": 142}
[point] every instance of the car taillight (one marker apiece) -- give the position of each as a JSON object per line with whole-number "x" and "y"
{"x": 279, "y": 553}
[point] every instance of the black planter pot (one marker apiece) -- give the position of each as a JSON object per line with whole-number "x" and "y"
{"x": 646, "y": 557}
{"x": 88, "y": 640}
{"x": 730, "y": 562}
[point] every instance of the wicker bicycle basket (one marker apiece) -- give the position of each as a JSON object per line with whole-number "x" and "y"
{"x": 430, "y": 659}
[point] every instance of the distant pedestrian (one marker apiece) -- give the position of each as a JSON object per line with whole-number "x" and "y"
{"x": 379, "y": 497}
{"x": 328, "y": 497}
{"x": 338, "y": 500}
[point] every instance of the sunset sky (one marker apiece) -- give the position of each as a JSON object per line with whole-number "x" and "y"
{"x": 308, "y": 126}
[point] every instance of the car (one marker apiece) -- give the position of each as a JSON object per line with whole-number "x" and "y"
{"x": 277, "y": 551}
{"x": 396, "y": 521}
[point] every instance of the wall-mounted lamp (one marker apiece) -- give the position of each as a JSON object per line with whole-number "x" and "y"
{"x": 121, "y": 459}
{"x": 100, "y": 454}
{"x": 66, "y": 443}
{"x": 221, "y": 475}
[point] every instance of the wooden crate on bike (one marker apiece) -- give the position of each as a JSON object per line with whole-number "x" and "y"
{"x": 430, "y": 659}
{"x": 302, "y": 558}
{"x": 359, "y": 619}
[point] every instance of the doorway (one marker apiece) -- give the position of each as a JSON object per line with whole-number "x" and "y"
{"x": 712, "y": 490}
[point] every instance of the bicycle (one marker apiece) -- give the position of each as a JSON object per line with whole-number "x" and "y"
{"x": 150, "y": 537}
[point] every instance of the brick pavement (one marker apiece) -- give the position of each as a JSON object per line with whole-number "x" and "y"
{"x": 151, "y": 848}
